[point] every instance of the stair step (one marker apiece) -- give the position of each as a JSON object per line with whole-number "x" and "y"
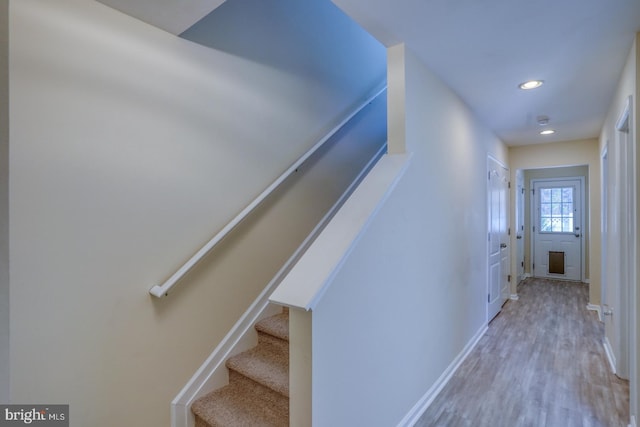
{"x": 274, "y": 331}
{"x": 277, "y": 326}
{"x": 258, "y": 390}
{"x": 237, "y": 405}
{"x": 271, "y": 397}
{"x": 264, "y": 364}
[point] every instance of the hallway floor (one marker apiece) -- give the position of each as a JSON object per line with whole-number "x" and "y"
{"x": 541, "y": 363}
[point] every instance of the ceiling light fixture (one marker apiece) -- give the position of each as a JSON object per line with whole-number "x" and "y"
{"x": 547, "y": 132}
{"x": 531, "y": 84}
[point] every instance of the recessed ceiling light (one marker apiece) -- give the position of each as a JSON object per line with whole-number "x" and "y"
{"x": 547, "y": 132}
{"x": 531, "y": 84}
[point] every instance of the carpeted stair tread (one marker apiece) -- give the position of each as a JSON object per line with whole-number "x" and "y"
{"x": 265, "y": 364}
{"x": 277, "y": 326}
{"x": 258, "y": 390}
{"x": 233, "y": 406}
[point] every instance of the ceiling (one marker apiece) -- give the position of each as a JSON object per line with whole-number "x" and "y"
{"x": 483, "y": 49}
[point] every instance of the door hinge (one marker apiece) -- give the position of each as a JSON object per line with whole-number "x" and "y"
{"x": 488, "y": 297}
{"x": 509, "y": 184}
{"x": 489, "y": 175}
{"x": 522, "y": 190}
{"x": 522, "y": 264}
{"x": 534, "y": 191}
{"x": 534, "y": 228}
{"x": 509, "y": 232}
{"x": 509, "y": 278}
{"x": 533, "y": 266}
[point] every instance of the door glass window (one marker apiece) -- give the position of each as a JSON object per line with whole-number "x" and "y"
{"x": 556, "y": 210}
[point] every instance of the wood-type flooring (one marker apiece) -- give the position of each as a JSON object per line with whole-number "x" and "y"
{"x": 541, "y": 363}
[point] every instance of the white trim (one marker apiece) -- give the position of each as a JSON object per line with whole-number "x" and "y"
{"x": 604, "y": 214}
{"x": 421, "y": 406}
{"x": 514, "y": 297}
{"x": 632, "y": 422}
{"x": 622, "y": 125}
{"x": 587, "y": 281}
{"x": 610, "y": 355}
{"x": 597, "y": 309}
{"x": 213, "y": 374}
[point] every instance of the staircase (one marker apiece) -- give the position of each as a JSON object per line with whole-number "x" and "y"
{"x": 258, "y": 389}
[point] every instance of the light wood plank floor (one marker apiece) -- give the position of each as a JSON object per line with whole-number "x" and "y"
{"x": 541, "y": 363}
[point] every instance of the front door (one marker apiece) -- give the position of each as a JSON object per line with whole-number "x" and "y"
{"x": 557, "y": 229}
{"x": 498, "y": 237}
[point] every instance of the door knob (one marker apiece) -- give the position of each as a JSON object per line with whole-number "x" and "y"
{"x": 503, "y": 245}
{"x": 518, "y": 237}
{"x": 577, "y": 234}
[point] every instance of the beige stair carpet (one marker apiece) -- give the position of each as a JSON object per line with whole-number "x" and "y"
{"x": 258, "y": 389}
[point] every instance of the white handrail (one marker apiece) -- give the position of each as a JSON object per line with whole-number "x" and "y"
{"x": 160, "y": 291}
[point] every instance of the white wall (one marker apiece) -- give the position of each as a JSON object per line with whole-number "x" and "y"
{"x": 413, "y": 291}
{"x": 130, "y": 148}
{"x": 4, "y": 202}
{"x": 627, "y": 86}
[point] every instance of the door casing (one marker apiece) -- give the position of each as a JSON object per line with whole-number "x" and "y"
{"x": 533, "y": 207}
{"x": 519, "y": 226}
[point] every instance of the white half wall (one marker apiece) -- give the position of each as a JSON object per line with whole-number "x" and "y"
{"x": 412, "y": 293}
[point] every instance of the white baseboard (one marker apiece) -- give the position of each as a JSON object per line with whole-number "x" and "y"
{"x": 610, "y": 356}
{"x": 633, "y": 421}
{"x": 421, "y": 406}
{"x": 596, "y": 308}
{"x": 514, "y": 297}
{"x": 587, "y": 281}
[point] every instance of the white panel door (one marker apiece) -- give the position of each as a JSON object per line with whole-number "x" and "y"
{"x": 497, "y": 237}
{"x": 557, "y": 229}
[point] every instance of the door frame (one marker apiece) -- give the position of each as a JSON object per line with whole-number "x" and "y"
{"x": 532, "y": 206}
{"x": 604, "y": 225}
{"x": 519, "y": 225}
{"x": 627, "y": 207}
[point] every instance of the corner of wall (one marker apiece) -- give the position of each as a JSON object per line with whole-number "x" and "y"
{"x": 396, "y": 86}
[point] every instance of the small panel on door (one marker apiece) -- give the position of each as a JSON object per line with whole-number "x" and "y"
{"x": 556, "y": 262}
